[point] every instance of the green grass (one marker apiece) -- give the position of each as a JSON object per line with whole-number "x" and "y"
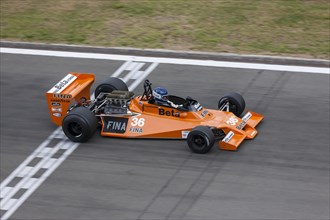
{"x": 273, "y": 27}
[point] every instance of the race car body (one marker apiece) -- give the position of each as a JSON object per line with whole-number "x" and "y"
{"x": 120, "y": 114}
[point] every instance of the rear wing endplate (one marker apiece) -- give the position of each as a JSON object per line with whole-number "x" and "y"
{"x": 73, "y": 88}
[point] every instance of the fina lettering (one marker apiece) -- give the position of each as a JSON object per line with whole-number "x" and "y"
{"x": 173, "y": 113}
{"x": 116, "y": 126}
{"x": 135, "y": 130}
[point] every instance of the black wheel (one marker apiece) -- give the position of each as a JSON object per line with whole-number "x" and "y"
{"x": 111, "y": 84}
{"x": 80, "y": 124}
{"x": 234, "y": 101}
{"x": 200, "y": 140}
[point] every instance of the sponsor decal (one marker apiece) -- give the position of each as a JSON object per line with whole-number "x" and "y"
{"x": 241, "y": 125}
{"x": 56, "y": 109}
{"x": 62, "y": 96}
{"x": 57, "y": 114}
{"x": 135, "y": 130}
{"x": 61, "y": 100}
{"x": 115, "y": 125}
{"x": 156, "y": 95}
{"x": 204, "y": 113}
{"x": 247, "y": 116}
{"x": 63, "y": 83}
{"x": 198, "y": 106}
{"x": 173, "y": 113}
{"x": 185, "y": 134}
{"x": 55, "y": 104}
{"x": 232, "y": 120}
{"x": 228, "y": 137}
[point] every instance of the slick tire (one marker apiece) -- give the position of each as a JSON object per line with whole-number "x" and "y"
{"x": 200, "y": 140}
{"x": 109, "y": 85}
{"x": 236, "y": 103}
{"x": 80, "y": 124}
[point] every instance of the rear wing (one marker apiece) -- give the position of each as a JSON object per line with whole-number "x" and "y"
{"x": 73, "y": 88}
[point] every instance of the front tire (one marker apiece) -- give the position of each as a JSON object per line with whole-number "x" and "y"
{"x": 80, "y": 124}
{"x": 110, "y": 84}
{"x": 234, "y": 101}
{"x": 200, "y": 140}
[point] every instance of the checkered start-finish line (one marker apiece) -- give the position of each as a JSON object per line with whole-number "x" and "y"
{"x": 50, "y": 154}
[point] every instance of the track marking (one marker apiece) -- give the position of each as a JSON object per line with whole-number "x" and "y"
{"x": 209, "y": 63}
{"x": 143, "y": 75}
{"x": 133, "y": 71}
{"x": 47, "y": 163}
{"x": 12, "y": 203}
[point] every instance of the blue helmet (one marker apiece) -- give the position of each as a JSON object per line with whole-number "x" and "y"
{"x": 160, "y": 94}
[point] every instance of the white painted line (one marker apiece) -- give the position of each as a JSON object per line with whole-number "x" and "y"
{"x": 28, "y": 159}
{"x": 28, "y": 173}
{"x": 55, "y": 134}
{"x": 145, "y": 74}
{"x": 137, "y": 74}
{"x": 133, "y": 71}
{"x": 24, "y": 172}
{"x": 44, "y": 152}
{"x": 48, "y": 163}
{"x": 120, "y": 69}
{"x": 59, "y": 135}
{"x": 29, "y": 183}
{"x": 26, "y": 195}
{"x": 209, "y": 63}
{"x": 66, "y": 145}
{"x": 131, "y": 66}
{"x": 4, "y": 191}
{"x": 8, "y": 205}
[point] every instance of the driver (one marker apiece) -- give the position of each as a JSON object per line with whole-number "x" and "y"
{"x": 160, "y": 95}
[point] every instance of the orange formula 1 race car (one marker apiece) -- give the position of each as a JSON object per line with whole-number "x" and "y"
{"x": 154, "y": 114}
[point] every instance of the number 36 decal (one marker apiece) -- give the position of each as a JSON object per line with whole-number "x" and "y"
{"x": 137, "y": 122}
{"x": 232, "y": 120}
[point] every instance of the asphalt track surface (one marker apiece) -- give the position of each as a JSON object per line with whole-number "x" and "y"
{"x": 282, "y": 174}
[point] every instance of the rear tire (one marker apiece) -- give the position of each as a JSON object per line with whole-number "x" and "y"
{"x": 236, "y": 102}
{"x": 80, "y": 124}
{"x": 200, "y": 140}
{"x": 111, "y": 84}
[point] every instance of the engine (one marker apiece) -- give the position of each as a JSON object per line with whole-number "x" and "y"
{"x": 115, "y": 102}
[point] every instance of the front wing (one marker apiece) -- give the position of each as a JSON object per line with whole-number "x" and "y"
{"x": 244, "y": 130}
